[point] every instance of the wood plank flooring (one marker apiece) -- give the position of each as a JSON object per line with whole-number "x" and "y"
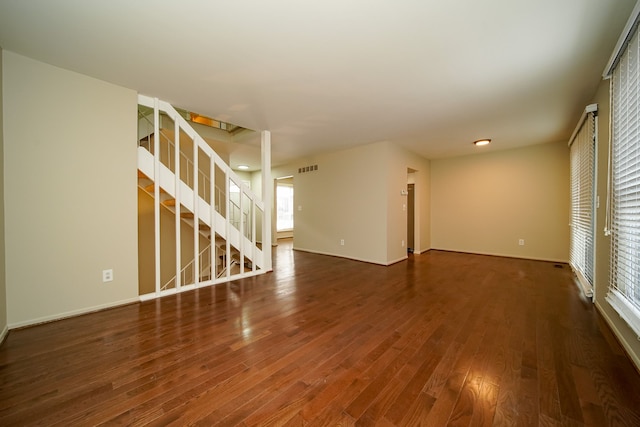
{"x": 441, "y": 339}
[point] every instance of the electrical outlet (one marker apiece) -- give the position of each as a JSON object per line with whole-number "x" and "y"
{"x": 402, "y": 243}
{"x": 107, "y": 275}
{"x": 341, "y": 242}
{"x": 521, "y": 242}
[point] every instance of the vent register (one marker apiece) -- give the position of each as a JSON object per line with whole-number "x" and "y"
{"x": 306, "y": 169}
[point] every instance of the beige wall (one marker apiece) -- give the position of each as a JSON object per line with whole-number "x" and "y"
{"x": 146, "y": 244}
{"x": 485, "y": 203}
{"x": 3, "y": 287}
{"x": 626, "y": 336}
{"x": 70, "y": 197}
{"x": 345, "y": 199}
{"x": 355, "y": 195}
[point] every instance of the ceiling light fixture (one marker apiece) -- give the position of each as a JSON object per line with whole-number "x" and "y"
{"x": 243, "y": 167}
{"x": 481, "y": 142}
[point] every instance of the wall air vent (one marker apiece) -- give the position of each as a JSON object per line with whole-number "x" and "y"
{"x": 306, "y": 169}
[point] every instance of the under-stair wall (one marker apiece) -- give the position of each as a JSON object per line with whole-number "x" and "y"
{"x": 206, "y": 203}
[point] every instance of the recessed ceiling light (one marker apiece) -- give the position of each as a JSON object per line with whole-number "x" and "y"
{"x": 243, "y": 167}
{"x": 481, "y": 142}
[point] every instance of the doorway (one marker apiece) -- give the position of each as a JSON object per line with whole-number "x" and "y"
{"x": 411, "y": 231}
{"x": 284, "y": 207}
{"x": 413, "y": 211}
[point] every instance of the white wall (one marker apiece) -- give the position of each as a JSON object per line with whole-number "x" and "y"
{"x": 3, "y": 288}
{"x": 70, "y": 191}
{"x": 485, "y": 203}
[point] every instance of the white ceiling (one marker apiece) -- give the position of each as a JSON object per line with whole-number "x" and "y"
{"x": 431, "y": 75}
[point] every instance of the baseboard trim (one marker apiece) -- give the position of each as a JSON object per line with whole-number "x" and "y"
{"x": 397, "y": 260}
{"x": 424, "y": 251}
{"x": 72, "y": 313}
{"x": 368, "y": 261}
{"x": 635, "y": 359}
{"x": 496, "y": 254}
{"x": 4, "y": 334}
{"x": 206, "y": 283}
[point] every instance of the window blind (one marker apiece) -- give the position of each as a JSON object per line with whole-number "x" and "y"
{"x": 582, "y": 165}
{"x": 624, "y": 192}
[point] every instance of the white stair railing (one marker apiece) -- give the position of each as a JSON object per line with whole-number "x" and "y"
{"x": 193, "y": 192}
{"x": 187, "y": 273}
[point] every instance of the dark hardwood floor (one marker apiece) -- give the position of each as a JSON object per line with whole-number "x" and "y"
{"x": 441, "y": 339}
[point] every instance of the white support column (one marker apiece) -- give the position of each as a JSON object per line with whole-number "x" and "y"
{"x": 253, "y": 235}
{"x": 177, "y": 205}
{"x": 267, "y": 185}
{"x": 196, "y": 217}
{"x": 212, "y": 210}
{"x": 241, "y": 226}
{"x": 227, "y": 198}
{"x": 156, "y": 190}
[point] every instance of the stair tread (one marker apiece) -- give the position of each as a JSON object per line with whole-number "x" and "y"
{"x": 151, "y": 188}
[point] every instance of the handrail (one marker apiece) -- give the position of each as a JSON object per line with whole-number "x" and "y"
{"x": 184, "y": 125}
{"x": 170, "y": 150}
{"x": 205, "y": 180}
{"x": 237, "y": 204}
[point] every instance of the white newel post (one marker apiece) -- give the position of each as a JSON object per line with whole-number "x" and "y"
{"x": 177, "y": 206}
{"x": 212, "y": 218}
{"x": 266, "y": 198}
{"x": 156, "y": 189}
{"x": 196, "y": 216}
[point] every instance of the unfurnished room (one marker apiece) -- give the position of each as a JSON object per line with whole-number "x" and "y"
{"x": 291, "y": 213}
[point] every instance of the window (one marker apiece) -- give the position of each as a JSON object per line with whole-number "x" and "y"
{"x": 284, "y": 203}
{"x": 582, "y": 158}
{"x": 623, "y": 220}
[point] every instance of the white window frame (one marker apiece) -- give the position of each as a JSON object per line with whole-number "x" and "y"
{"x": 623, "y": 193}
{"x": 583, "y": 146}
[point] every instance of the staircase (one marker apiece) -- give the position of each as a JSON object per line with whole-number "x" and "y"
{"x": 187, "y": 178}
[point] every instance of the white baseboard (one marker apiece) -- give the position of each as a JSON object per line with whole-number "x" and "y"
{"x": 71, "y": 313}
{"x": 563, "y": 261}
{"x": 397, "y": 260}
{"x": 206, "y": 283}
{"x": 635, "y": 358}
{"x": 343, "y": 256}
{"x": 4, "y": 334}
{"x": 423, "y": 251}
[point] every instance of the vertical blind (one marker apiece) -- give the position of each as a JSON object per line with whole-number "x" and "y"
{"x": 582, "y": 160}
{"x": 624, "y": 191}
